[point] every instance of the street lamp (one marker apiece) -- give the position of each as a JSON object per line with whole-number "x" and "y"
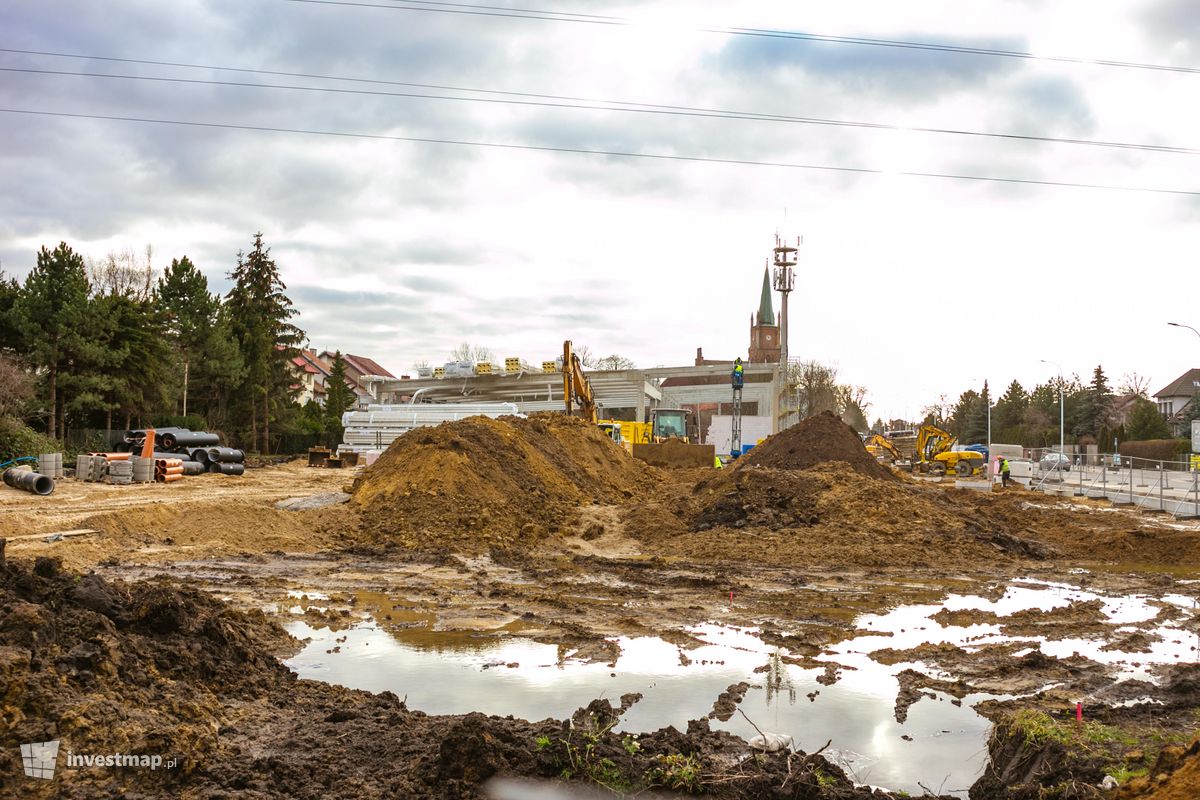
{"x": 1189, "y": 327}
{"x": 1062, "y": 448}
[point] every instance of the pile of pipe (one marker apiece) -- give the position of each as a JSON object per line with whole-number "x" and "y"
{"x": 200, "y": 451}
{"x": 29, "y": 481}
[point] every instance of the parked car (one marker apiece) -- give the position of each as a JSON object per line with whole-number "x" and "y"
{"x": 1055, "y": 461}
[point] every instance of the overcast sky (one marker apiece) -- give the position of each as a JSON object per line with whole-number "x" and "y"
{"x": 913, "y": 287}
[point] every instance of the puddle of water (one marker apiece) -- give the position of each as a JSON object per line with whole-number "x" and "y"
{"x": 526, "y": 679}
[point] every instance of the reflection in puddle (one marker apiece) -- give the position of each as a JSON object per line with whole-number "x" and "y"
{"x": 516, "y": 676}
{"x": 488, "y": 667}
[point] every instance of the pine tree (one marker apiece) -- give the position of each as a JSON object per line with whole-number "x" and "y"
{"x": 54, "y": 303}
{"x": 260, "y": 313}
{"x": 10, "y": 290}
{"x": 1145, "y": 422}
{"x": 1009, "y": 413}
{"x": 339, "y": 398}
{"x": 202, "y": 339}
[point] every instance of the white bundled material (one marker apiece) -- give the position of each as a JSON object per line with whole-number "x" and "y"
{"x": 380, "y": 425}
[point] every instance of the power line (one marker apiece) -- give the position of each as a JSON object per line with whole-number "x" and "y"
{"x": 593, "y": 19}
{"x": 568, "y": 102}
{"x": 611, "y": 153}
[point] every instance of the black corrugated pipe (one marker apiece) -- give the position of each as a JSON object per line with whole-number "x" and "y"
{"x": 141, "y": 433}
{"x": 193, "y": 468}
{"x": 172, "y": 439}
{"x": 200, "y": 454}
{"x": 226, "y": 455}
{"x": 225, "y": 468}
{"x": 30, "y": 481}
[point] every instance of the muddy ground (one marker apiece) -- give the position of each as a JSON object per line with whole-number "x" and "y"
{"x": 166, "y": 647}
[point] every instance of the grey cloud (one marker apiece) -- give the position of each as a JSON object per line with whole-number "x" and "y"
{"x": 1171, "y": 22}
{"x": 427, "y": 284}
{"x": 1045, "y": 104}
{"x": 899, "y": 72}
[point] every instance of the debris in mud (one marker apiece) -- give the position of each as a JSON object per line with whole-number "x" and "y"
{"x": 813, "y": 441}
{"x": 313, "y": 502}
{"x": 727, "y": 702}
{"x": 479, "y": 483}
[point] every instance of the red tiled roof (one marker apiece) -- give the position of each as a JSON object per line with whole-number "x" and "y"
{"x": 366, "y": 366}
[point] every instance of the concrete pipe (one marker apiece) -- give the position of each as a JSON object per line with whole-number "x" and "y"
{"x": 226, "y": 455}
{"x": 226, "y": 468}
{"x": 29, "y": 481}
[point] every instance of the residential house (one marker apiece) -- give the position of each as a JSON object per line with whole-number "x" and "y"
{"x": 363, "y": 375}
{"x": 1173, "y": 400}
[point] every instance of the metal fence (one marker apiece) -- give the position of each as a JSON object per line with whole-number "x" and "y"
{"x": 1170, "y": 486}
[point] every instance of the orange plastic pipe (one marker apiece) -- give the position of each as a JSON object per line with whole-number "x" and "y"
{"x": 148, "y": 447}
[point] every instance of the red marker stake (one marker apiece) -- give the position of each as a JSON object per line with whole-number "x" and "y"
{"x": 1079, "y": 712}
{"x": 731, "y": 596}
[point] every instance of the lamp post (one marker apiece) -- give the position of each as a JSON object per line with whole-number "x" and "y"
{"x": 1180, "y": 325}
{"x": 1062, "y": 448}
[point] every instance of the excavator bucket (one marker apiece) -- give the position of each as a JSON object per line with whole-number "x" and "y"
{"x": 675, "y": 453}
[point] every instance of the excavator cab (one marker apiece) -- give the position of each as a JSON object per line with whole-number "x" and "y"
{"x": 668, "y": 423}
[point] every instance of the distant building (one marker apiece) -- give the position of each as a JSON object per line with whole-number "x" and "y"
{"x": 765, "y": 344}
{"x": 1174, "y": 398}
{"x": 364, "y": 375}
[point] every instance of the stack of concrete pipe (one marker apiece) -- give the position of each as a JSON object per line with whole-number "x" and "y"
{"x": 51, "y": 465}
{"x": 91, "y": 468}
{"x": 143, "y": 469}
{"x": 29, "y": 481}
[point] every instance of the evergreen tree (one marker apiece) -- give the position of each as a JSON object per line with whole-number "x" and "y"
{"x": 1145, "y": 422}
{"x": 260, "y": 313}
{"x": 10, "y": 290}
{"x": 1009, "y": 413}
{"x": 54, "y": 303}
{"x": 975, "y": 430}
{"x": 210, "y": 364}
{"x": 339, "y": 398}
{"x": 964, "y": 408}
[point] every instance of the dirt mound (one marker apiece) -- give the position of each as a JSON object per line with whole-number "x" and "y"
{"x": 480, "y": 483}
{"x": 814, "y": 441}
{"x": 825, "y": 515}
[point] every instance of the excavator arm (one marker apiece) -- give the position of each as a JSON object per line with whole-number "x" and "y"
{"x": 884, "y": 444}
{"x": 577, "y": 390}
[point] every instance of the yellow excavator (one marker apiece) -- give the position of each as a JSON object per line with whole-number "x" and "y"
{"x": 577, "y": 389}
{"x": 879, "y": 446}
{"x": 669, "y": 444}
{"x": 936, "y": 455}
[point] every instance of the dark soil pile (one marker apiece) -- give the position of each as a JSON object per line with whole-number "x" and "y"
{"x": 148, "y": 668}
{"x": 814, "y": 441}
{"x": 480, "y": 483}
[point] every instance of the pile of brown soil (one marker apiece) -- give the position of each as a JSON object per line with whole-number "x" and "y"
{"x": 814, "y": 441}
{"x": 480, "y": 483}
{"x": 826, "y": 515}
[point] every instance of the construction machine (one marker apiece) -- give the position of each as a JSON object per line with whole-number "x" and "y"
{"x": 881, "y": 447}
{"x": 669, "y": 444}
{"x": 577, "y": 389}
{"x": 936, "y": 455}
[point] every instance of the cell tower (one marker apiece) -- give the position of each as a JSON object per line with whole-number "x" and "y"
{"x": 785, "y": 279}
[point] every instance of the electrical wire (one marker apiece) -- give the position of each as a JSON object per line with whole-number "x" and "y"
{"x": 594, "y": 19}
{"x": 567, "y": 102}
{"x": 609, "y": 153}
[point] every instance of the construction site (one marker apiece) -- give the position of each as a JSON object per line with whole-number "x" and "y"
{"x": 546, "y": 582}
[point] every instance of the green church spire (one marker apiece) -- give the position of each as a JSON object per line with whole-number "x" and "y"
{"x": 766, "y": 312}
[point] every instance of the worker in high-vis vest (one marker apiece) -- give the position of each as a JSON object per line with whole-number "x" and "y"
{"x": 738, "y": 373}
{"x": 717, "y": 463}
{"x": 1004, "y": 471}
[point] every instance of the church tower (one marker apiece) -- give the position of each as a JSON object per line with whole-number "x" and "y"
{"x": 764, "y": 333}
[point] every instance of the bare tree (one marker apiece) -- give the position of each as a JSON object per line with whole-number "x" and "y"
{"x": 614, "y": 362}
{"x": 473, "y": 353}
{"x": 123, "y": 273}
{"x": 1135, "y": 384}
{"x": 16, "y": 387}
